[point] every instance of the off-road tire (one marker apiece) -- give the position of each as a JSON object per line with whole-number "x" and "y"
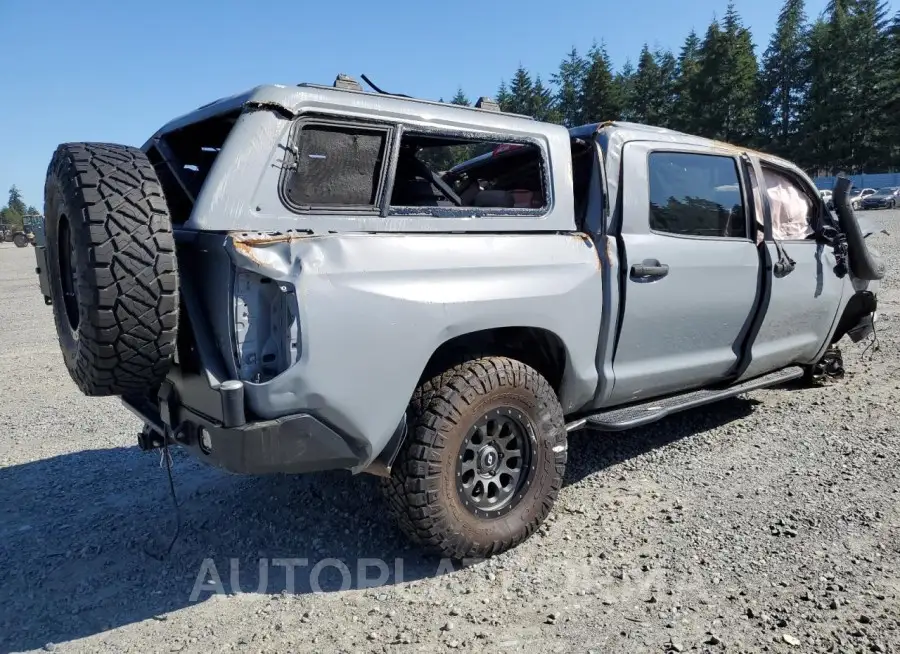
{"x": 20, "y": 240}
{"x": 118, "y": 334}
{"x": 421, "y": 491}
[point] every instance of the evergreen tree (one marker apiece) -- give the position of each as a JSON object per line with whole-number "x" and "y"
{"x": 601, "y": 97}
{"x": 816, "y": 145}
{"x": 460, "y": 98}
{"x": 684, "y": 108}
{"x": 542, "y": 106}
{"x": 871, "y": 43}
{"x": 504, "y": 99}
{"x": 725, "y": 88}
{"x": 521, "y": 92}
{"x": 643, "y": 103}
{"x": 623, "y": 90}
{"x": 826, "y": 96}
{"x": 15, "y": 209}
{"x": 667, "y": 71}
{"x": 15, "y": 203}
{"x": 570, "y": 82}
{"x": 784, "y": 81}
{"x": 706, "y": 89}
{"x": 892, "y": 93}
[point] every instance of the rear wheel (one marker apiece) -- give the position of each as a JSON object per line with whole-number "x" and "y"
{"x": 112, "y": 268}
{"x": 484, "y": 461}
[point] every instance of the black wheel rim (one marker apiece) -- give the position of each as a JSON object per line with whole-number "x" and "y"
{"x": 495, "y": 464}
{"x": 66, "y": 249}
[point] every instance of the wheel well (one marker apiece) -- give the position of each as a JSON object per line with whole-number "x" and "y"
{"x": 539, "y": 348}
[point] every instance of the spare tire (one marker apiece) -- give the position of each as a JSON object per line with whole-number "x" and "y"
{"x": 20, "y": 239}
{"x": 112, "y": 268}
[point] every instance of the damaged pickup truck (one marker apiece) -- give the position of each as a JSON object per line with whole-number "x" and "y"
{"x": 319, "y": 277}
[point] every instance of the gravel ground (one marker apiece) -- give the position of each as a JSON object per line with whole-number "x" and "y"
{"x": 767, "y": 523}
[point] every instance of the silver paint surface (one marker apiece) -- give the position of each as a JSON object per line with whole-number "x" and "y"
{"x": 373, "y": 297}
{"x": 374, "y": 308}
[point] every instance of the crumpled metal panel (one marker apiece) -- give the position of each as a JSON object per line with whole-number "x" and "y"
{"x": 372, "y": 309}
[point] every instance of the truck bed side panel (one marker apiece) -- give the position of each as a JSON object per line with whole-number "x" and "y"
{"x": 372, "y": 309}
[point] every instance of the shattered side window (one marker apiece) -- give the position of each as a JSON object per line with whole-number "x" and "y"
{"x": 696, "y": 195}
{"x": 439, "y": 173}
{"x": 791, "y": 208}
{"x": 337, "y": 165}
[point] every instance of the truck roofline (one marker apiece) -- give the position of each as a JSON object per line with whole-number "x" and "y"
{"x": 293, "y": 99}
{"x": 628, "y": 131}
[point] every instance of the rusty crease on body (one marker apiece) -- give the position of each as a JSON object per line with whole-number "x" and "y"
{"x": 246, "y": 243}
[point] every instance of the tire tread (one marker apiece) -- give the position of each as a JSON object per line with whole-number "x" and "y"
{"x": 129, "y": 281}
{"x": 438, "y": 404}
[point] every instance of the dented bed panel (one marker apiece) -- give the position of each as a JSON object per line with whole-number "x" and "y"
{"x": 372, "y": 309}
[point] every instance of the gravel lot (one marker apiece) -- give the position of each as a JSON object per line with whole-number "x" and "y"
{"x": 768, "y": 523}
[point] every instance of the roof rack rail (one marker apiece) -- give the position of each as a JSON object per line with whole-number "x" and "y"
{"x": 488, "y": 104}
{"x": 347, "y": 83}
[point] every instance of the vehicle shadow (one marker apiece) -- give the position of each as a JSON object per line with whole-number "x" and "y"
{"x": 591, "y": 451}
{"x": 75, "y": 530}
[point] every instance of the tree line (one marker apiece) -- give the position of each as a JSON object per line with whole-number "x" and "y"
{"x": 14, "y": 211}
{"x": 825, "y": 93}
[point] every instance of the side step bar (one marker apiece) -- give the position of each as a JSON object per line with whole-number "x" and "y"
{"x": 635, "y": 415}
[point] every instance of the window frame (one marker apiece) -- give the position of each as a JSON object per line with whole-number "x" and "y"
{"x": 390, "y": 210}
{"x": 292, "y": 151}
{"x": 749, "y": 231}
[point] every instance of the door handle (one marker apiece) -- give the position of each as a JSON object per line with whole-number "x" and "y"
{"x": 649, "y": 268}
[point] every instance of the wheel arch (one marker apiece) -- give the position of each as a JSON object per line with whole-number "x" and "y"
{"x": 537, "y": 347}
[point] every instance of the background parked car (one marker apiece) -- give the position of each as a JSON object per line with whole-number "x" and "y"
{"x": 826, "y": 195}
{"x": 857, "y": 195}
{"x": 885, "y": 198}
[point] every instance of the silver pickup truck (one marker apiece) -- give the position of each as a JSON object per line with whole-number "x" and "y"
{"x": 312, "y": 277}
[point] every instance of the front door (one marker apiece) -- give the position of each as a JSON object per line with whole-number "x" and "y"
{"x": 801, "y": 307}
{"x": 690, "y": 270}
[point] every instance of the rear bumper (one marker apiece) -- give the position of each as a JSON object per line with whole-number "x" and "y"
{"x": 212, "y": 425}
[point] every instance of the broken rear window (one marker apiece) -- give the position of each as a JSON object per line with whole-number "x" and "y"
{"x": 448, "y": 172}
{"x": 337, "y": 164}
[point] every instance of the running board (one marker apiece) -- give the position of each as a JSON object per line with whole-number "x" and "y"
{"x": 635, "y": 415}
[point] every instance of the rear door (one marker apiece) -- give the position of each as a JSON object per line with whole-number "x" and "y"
{"x": 690, "y": 269}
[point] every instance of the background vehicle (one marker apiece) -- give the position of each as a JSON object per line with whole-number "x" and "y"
{"x": 295, "y": 286}
{"x": 857, "y": 195}
{"x": 826, "y": 197}
{"x": 10, "y": 234}
{"x": 885, "y": 198}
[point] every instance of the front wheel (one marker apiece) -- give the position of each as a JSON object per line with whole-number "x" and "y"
{"x": 484, "y": 461}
